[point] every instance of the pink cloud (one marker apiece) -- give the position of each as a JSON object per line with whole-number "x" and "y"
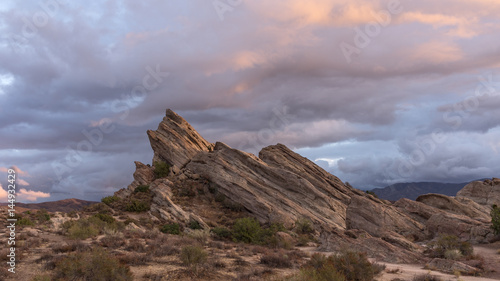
{"x": 30, "y": 195}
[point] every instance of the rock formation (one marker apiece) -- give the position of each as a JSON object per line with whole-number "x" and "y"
{"x": 281, "y": 186}
{"x": 175, "y": 141}
{"x": 486, "y": 193}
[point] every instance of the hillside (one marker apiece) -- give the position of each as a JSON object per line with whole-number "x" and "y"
{"x": 66, "y": 205}
{"x": 412, "y": 190}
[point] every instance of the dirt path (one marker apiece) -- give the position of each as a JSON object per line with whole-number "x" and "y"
{"x": 409, "y": 271}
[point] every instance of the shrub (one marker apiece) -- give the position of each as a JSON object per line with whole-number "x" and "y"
{"x": 137, "y": 206}
{"x": 193, "y": 255}
{"x": 108, "y": 200}
{"x": 304, "y": 226}
{"x": 448, "y": 243}
{"x": 276, "y": 260}
{"x": 105, "y": 218}
{"x": 246, "y": 230}
{"x": 112, "y": 241}
{"x": 221, "y": 232}
{"x": 172, "y": 228}
{"x": 426, "y": 277}
{"x": 200, "y": 235}
{"x": 369, "y": 192}
{"x": 94, "y": 265}
{"x": 347, "y": 264}
{"x": 24, "y": 222}
{"x": 161, "y": 170}
{"x": 142, "y": 188}
{"x": 194, "y": 225}
{"x": 325, "y": 273}
{"x": 42, "y": 216}
{"x": 495, "y": 219}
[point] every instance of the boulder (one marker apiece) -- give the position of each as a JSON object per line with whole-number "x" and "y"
{"x": 451, "y": 267}
{"x": 486, "y": 193}
{"x": 464, "y": 206}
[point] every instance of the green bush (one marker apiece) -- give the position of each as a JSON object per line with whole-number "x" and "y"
{"x": 24, "y": 222}
{"x": 194, "y": 225}
{"x": 193, "y": 255}
{"x": 304, "y": 226}
{"x": 324, "y": 273}
{"x": 142, "y": 188}
{"x": 347, "y": 265}
{"x": 247, "y": 230}
{"x": 448, "y": 243}
{"x": 94, "y": 265}
{"x": 105, "y": 218}
{"x": 42, "y": 216}
{"x": 137, "y": 206}
{"x": 355, "y": 266}
{"x": 108, "y": 200}
{"x": 161, "y": 170}
{"x": 495, "y": 219}
{"x": 221, "y": 232}
{"x": 89, "y": 227}
{"x": 172, "y": 228}
{"x": 371, "y": 193}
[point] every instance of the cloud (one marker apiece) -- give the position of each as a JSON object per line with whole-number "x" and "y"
{"x": 3, "y": 194}
{"x": 227, "y": 77}
{"x": 30, "y": 195}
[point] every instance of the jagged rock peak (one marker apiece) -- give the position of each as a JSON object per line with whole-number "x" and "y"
{"x": 176, "y": 141}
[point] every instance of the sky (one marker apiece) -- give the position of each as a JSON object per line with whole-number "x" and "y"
{"x": 375, "y": 91}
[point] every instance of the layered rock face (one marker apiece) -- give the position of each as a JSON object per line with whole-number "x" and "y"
{"x": 486, "y": 193}
{"x": 282, "y": 186}
{"x": 175, "y": 141}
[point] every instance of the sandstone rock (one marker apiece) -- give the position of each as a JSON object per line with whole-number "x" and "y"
{"x": 379, "y": 219}
{"x": 486, "y": 193}
{"x": 465, "y": 228}
{"x": 451, "y": 266}
{"x": 438, "y": 221}
{"x": 143, "y": 175}
{"x": 163, "y": 205}
{"x": 270, "y": 191}
{"x": 468, "y": 207}
{"x": 175, "y": 141}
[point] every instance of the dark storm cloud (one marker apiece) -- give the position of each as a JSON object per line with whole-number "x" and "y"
{"x": 270, "y": 71}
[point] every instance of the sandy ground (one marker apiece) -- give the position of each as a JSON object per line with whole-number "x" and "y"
{"x": 408, "y": 271}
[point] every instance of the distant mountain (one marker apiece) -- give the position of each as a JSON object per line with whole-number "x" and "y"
{"x": 66, "y": 205}
{"x": 412, "y": 190}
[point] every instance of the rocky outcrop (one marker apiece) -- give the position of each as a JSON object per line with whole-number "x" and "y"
{"x": 381, "y": 220}
{"x": 165, "y": 208}
{"x": 486, "y": 193}
{"x": 272, "y": 193}
{"x": 282, "y": 186}
{"x": 143, "y": 175}
{"x": 175, "y": 141}
{"x": 452, "y": 267}
{"x": 464, "y": 206}
{"x": 439, "y": 221}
